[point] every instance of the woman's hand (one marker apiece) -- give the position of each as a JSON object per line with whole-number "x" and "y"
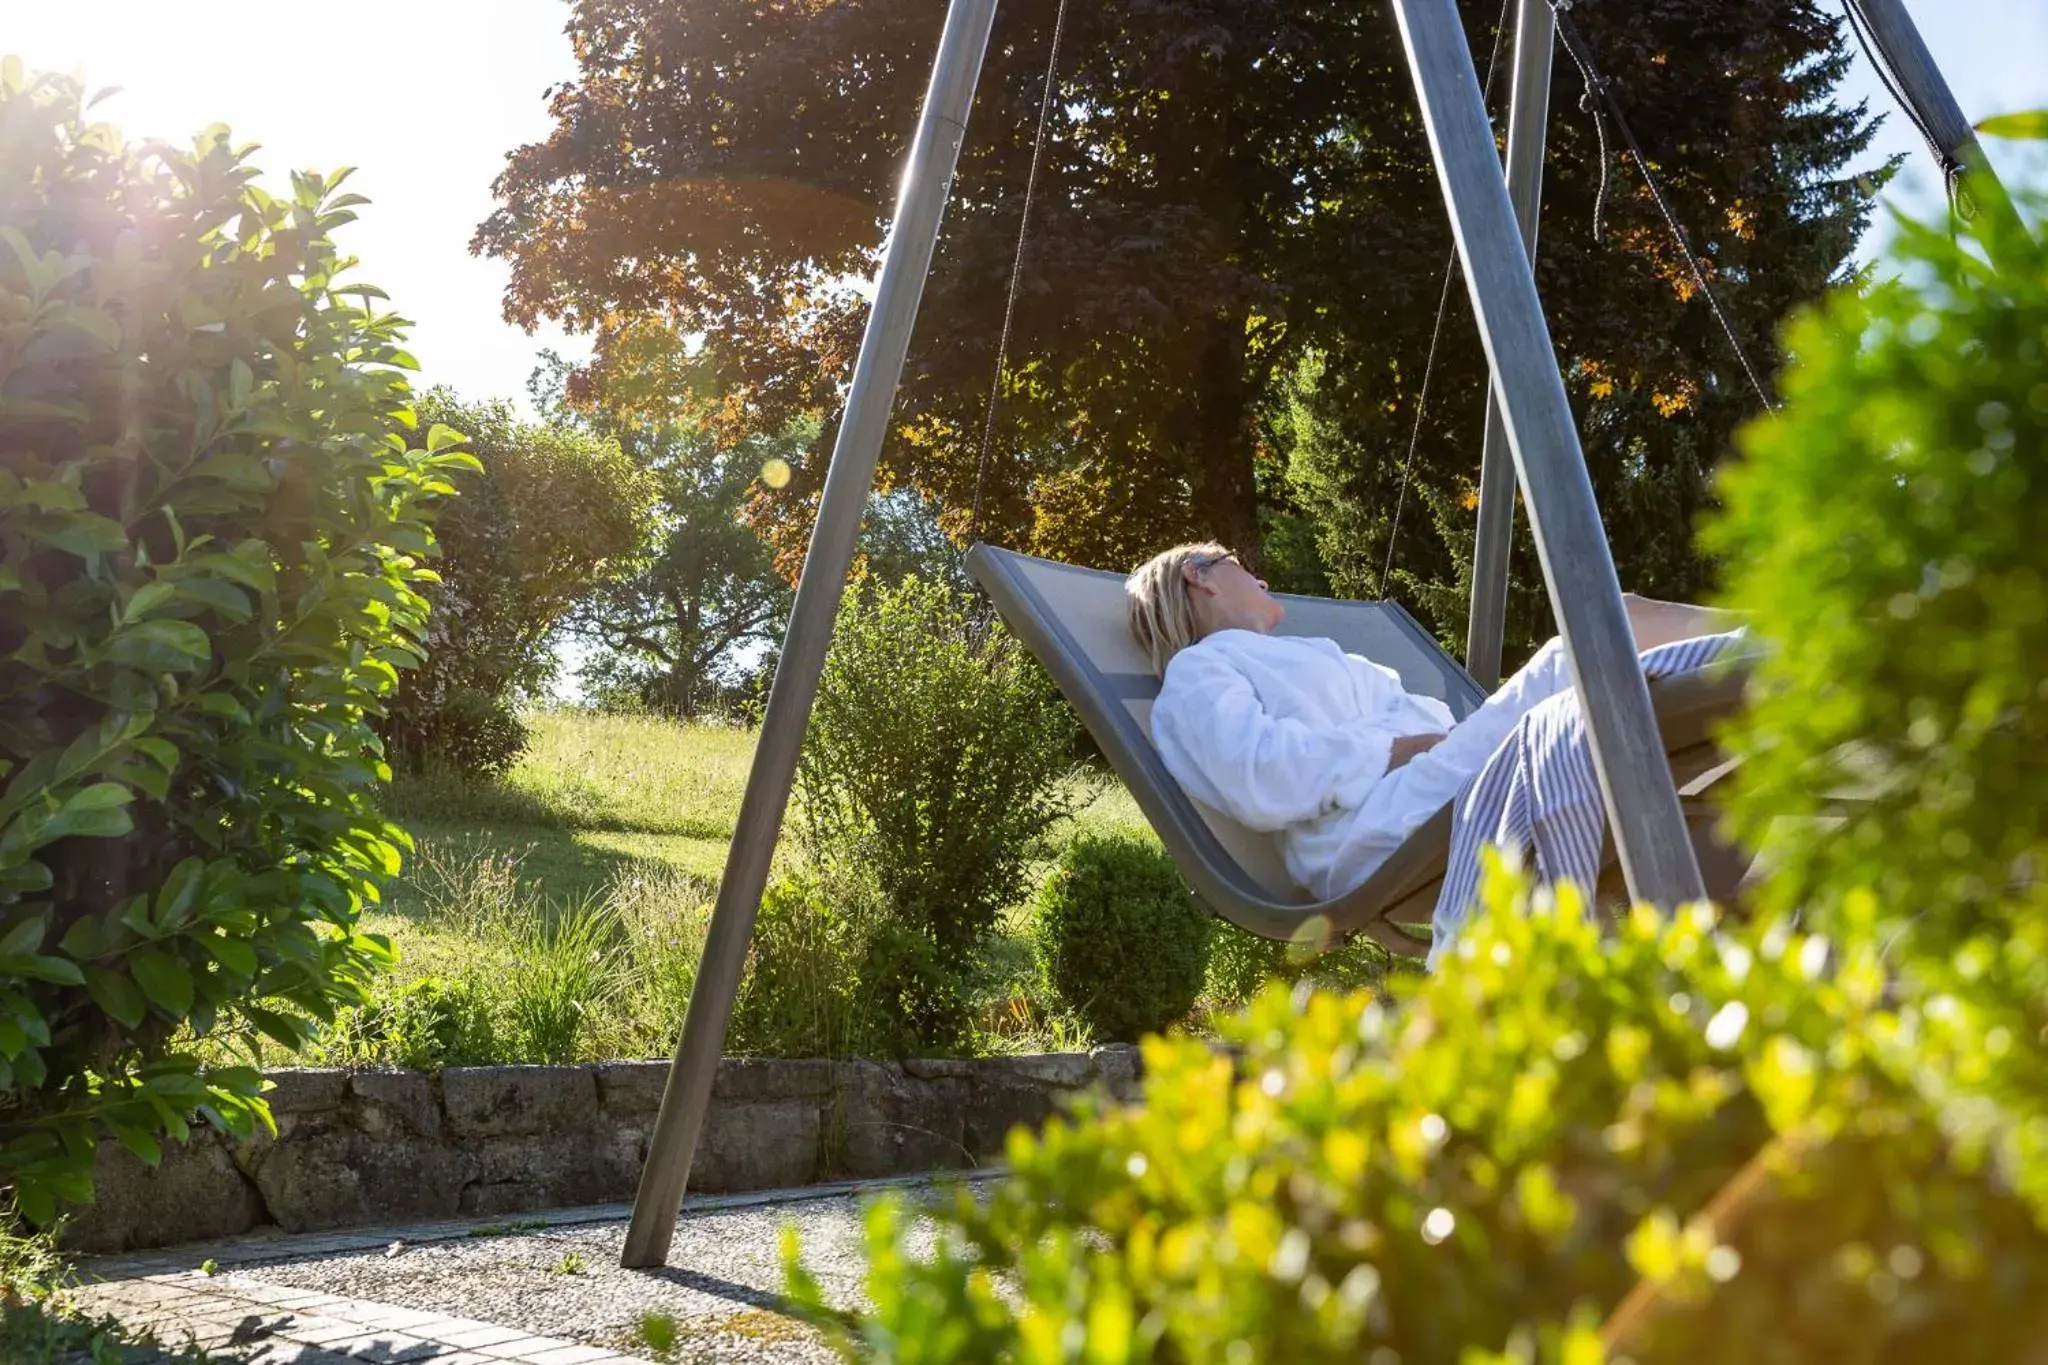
{"x": 1410, "y": 746}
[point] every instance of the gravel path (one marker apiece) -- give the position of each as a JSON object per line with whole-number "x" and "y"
{"x": 721, "y": 1285}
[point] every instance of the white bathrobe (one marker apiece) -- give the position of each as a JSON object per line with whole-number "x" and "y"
{"x": 1291, "y": 735}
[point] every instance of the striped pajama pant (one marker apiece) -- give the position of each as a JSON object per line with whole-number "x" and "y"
{"x": 1537, "y": 791}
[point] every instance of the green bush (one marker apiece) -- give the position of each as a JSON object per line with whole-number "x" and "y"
{"x": 213, "y": 533}
{"x": 1242, "y": 963}
{"x": 1887, "y": 532}
{"x": 426, "y": 1024}
{"x": 801, "y": 994}
{"x": 1707, "y": 1141}
{"x": 553, "y": 514}
{"x": 1121, "y": 940}
{"x": 938, "y": 758}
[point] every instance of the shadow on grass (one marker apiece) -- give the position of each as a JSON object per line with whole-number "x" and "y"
{"x": 558, "y": 864}
{"x": 444, "y": 799}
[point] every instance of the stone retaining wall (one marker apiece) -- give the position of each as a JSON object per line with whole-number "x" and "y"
{"x": 373, "y": 1146}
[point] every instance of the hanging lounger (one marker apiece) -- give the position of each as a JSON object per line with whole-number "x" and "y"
{"x": 1073, "y": 620}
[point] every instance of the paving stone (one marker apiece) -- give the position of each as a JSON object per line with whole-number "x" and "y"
{"x": 388, "y": 1348}
{"x": 478, "y": 1336}
{"x": 568, "y": 1355}
{"x": 521, "y": 1349}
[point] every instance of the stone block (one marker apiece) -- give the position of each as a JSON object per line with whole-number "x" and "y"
{"x": 347, "y": 1178}
{"x": 1062, "y": 1070}
{"x": 758, "y": 1145}
{"x": 195, "y": 1194}
{"x": 938, "y": 1068}
{"x": 1000, "y": 1098}
{"x": 631, "y": 1090}
{"x": 306, "y": 1090}
{"x": 771, "y": 1078}
{"x": 1119, "y": 1067}
{"x": 884, "y": 1122}
{"x": 394, "y": 1104}
{"x": 494, "y": 1101}
{"x": 550, "y": 1170}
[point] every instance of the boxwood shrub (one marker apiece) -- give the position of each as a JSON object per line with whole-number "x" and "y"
{"x": 1120, "y": 939}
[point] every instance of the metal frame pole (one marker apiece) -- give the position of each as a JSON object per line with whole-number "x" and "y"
{"x": 1578, "y": 566}
{"x": 1892, "y": 29}
{"x": 906, "y": 261}
{"x": 1896, "y": 37}
{"x": 1528, "y": 120}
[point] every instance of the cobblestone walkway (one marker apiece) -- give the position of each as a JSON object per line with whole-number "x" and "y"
{"x": 544, "y": 1289}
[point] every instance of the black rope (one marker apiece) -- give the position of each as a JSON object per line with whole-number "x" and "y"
{"x": 1443, "y": 308}
{"x": 1598, "y": 84}
{"x": 995, "y": 388}
{"x": 1880, "y": 62}
{"x": 1589, "y": 102}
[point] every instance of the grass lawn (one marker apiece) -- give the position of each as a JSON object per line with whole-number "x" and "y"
{"x": 565, "y": 906}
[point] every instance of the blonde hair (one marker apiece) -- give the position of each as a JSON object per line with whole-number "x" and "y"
{"x": 1162, "y": 615}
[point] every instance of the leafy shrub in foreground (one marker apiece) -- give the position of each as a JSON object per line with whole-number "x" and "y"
{"x": 213, "y": 527}
{"x": 1885, "y": 530}
{"x": 1121, "y": 940}
{"x": 937, "y": 760}
{"x": 1691, "y": 1142}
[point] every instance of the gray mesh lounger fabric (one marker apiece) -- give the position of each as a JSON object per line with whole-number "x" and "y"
{"x": 1073, "y": 621}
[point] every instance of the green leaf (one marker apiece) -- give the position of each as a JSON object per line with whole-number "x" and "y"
{"x": 164, "y": 979}
{"x": 82, "y": 940}
{"x": 113, "y": 992}
{"x": 25, "y": 878}
{"x": 440, "y": 438}
{"x": 26, "y": 935}
{"x": 225, "y": 598}
{"x": 140, "y": 1142}
{"x": 87, "y": 535}
{"x": 34, "y": 1199}
{"x": 99, "y": 796}
{"x": 159, "y": 647}
{"x": 222, "y": 705}
{"x": 99, "y": 822}
{"x": 55, "y": 970}
{"x": 2031, "y": 126}
{"x": 179, "y": 893}
{"x": 282, "y": 1029}
{"x": 232, "y": 954}
{"x": 160, "y": 751}
{"x": 148, "y": 598}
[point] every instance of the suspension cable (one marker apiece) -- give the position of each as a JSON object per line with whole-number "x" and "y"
{"x": 995, "y": 388}
{"x": 1443, "y": 308}
{"x": 1599, "y": 86}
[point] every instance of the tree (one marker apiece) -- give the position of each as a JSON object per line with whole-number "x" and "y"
{"x": 553, "y": 514}
{"x": 676, "y": 633}
{"x": 1231, "y": 187}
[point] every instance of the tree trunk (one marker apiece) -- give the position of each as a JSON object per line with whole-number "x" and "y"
{"x": 1220, "y": 442}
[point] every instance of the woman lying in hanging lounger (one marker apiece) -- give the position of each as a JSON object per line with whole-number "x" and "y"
{"x": 1292, "y": 735}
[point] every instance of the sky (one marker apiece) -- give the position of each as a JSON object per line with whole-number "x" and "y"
{"x": 425, "y": 98}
